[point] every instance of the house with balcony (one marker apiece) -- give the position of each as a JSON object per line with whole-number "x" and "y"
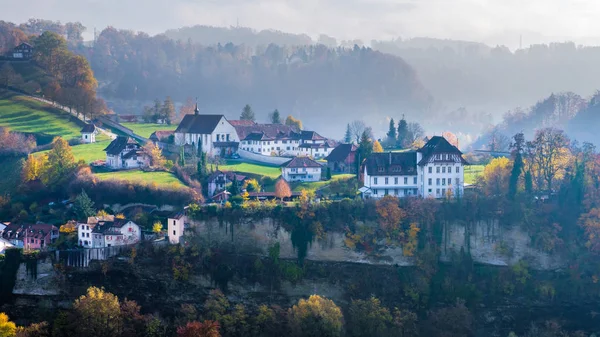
{"x": 436, "y": 171}
{"x": 301, "y": 169}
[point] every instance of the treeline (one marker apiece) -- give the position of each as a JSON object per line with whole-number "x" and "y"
{"x": 567, "y": 111}
{"x": 72, "y": 82}
{"x": 314, "y": 81}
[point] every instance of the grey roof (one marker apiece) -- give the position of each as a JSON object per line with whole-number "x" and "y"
{"x": 270, "y": 131}
{"x": 88, "y": 128}
{"x": 311, "y": 135}
{"x": 119, "y": 144}
{"x": 199, "y": 124}
{"x": 439, "y": 145}
{"x": 341, "y": 152}
{"x": 392, "y": 164}
{"x": 301, "y": 162}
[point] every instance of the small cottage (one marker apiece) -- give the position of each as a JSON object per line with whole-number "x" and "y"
{"x": 24, "y": 51}
{"x": 301, "y": 169}
{"x": 343, "y": 159}
{"x": 88, "y": 133}
{"x": 125, "y": 153}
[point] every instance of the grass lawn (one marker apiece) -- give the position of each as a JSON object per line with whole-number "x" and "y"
{"x": 315, "y": 185}
{"x": 263, "y": 170}
{"x": 162, "y": 179}
{"x": 90, "y": 152}
{"x": 472, "y": 172}
{"x": 146, "y": 129}
{"x": 22, "y": 114}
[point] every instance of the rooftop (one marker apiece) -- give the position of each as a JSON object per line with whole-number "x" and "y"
{"x": 199, "y": 124}
{"x": 301, "y": 162}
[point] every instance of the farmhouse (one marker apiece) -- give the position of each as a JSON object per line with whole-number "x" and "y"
{"x": 88, "y": 133}
{"x": 124, "y": 153}
{"x": 217, "y": 135}
{"x": 342, "y": 159}
{"x": 436, "y": 170}
{"x": 219, "y": 179}
{"x": 301, "y": 169}
{"x": 24, "y": 51}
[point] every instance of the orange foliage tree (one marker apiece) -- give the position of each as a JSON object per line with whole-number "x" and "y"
{"x": 390, "y": 214}
{"x": 282, "y": 189}
{"x": 197, "y": 329}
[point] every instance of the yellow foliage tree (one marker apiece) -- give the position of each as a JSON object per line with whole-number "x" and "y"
{"x": 377, "y": 148}
{"x": 100, "y": 311}
{"x": 68, "y": 228}
{"x": 60, "y": 164}
{"x": 33, "y": 167}
{"x": 156, "y": 156}
{"x": 7, "y": 328}
{"x": 251, "y": 185}
{"x": 409, "y": 248}
{"x": 390, "y": 214}
{"x": 316, "y": 316}
{"x": 157, "y": 227}
{"x": 120, "y": 216}
{"x": 496, "y": 176}
{"x": 291, "y": 121}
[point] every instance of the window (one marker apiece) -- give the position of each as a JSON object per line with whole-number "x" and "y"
{"x": 443, "y": 181}
{"x": 396, "y": 181}
{"x": 429, "y": 190}
{"x": 443, "y": 169}
{"x": 380, "y": 169}
{"x": 443, "y": 191}
{"x": 374, "y": 181}
{"x": 458, "y": 169}
{"x": 449, "y": 169}
{"x": 414, "y": 180}
{"x": 449, "y": 181}
{"x": 437, "y": 169}
{"x": 396, "y": 191}
{"x": 87, "y": 235}
{"x": 430, "y": 181}
{"x": 85, "y": 136}
{"x": 375, "y": 192}
{"x": 457, "y": 181}
{"x": 430, "y": 169}
{"x": 437, "y": 182}
{"x": 405, "y": 180}
{"x": 437, "y": 191}
{"x": 174, "y": 232}
{"x": 385, "y": 191}
{"x": 386, "y": 181}
{"x": 130, "y": 229}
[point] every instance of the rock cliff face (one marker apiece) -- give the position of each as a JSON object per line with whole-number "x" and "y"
{"x": 487, "y": 241}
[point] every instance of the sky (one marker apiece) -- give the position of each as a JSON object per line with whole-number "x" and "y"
{"x": 489, "y": 21}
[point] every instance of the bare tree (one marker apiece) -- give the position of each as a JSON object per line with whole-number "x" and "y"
{"x": 497, "y": 140}
{"x": 414, "y": 131}
{"x": 356, "y": 130}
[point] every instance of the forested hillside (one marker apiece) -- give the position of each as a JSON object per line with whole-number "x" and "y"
{"x": 316, "y": 83}
{"x": 492, "y": 80}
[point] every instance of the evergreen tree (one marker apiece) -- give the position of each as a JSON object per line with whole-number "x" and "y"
{"x": 517, "y": 146}
{"x": 84, "y": 206}
{"x": 201, "y": 166}
{"x": 391, "y": 134}
{"x": 528, "y": 182}
{"x": 348, "y": 135}
{"x": 275, "y": 117}
{"x": 234, "y": 189}
{"x": 182, "y": 157}
{"x": 402, "y": 135}
{"x": 328, "y": 173}
{"x": 365, "y": 147}
{"x": 247, "y": 114}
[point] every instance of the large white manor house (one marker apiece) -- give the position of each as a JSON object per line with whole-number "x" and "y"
{"x": 436, "y": 170}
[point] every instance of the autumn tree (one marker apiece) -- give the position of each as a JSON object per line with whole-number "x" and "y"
{"x": 282, "y": 189}
{"x": 369, "y": 318}
{"x": 414, "y": 135}
{"x": 33, "y": 167}
{"x": 377, "y": 148}
{"x": 390, "y": 214}
{"x": 41, "y": 329}
{"x": 455, "y": 321}
{"x": 7, "y": 328}
{"x": 247, "y": 114}
{"x": 197, "y": 329}
{"x": 316, "y": 316}
{"x": 155, "y": 153}
{"x": 293, "y": 122}
{"x": 60, "y": 164}
{"x": 99, "y": 311}
{"x": 275, "y": 117}
{"x": 167, "y": 112}
{"x": 157, "y": 227}
{"x": 450, "y": 137}
{"x": 549, "y": 155}
{"x": 497, "y": 141}
{"x": 496, "y": 176}
{"x": 187, "y": 108}
{"x": 215, "y": 306}
{"x": 251, "y": 185}
{"x": 83, "y": 206}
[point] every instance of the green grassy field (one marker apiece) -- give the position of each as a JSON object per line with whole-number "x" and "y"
{"x": 162, "y": 179}
{"x": 90, "y": 152}
{"x": 472, "y": 172}
{"x": 23, "y": 114}
{"x": 263, "y": 170}
{"x": 315, "y": 185}
{"x": 145, "y": 130}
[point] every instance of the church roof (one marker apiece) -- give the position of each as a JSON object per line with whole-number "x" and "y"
{"x": 199, "y": 124}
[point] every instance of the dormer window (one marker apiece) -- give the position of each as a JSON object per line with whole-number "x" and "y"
{"x": 380, "y": 169}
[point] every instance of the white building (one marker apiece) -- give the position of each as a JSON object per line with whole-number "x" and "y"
{"x": 218, "y": 180}
{"x": 176, "y": 225}
{"x": 125, "y": 153}
{"x": 436, "y": 170}
{"x": 217, "y": 135}
{"x": 108, "y": 233}
{"x": 4, "y": 244}
{"x": 301, "y": 169}
{"x": 88, "y": 133}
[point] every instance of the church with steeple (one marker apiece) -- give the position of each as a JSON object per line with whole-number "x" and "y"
{"x": 214, "y": 132}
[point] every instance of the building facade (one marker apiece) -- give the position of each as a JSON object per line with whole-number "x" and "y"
{"x": 88, "y": 133}
{"x": 24, "y": 51}
{"x": 125, "y": 153}
{"x": 176, "y": 225}
{"x": 342, "y": 159}
{"x": 31, "y": 237}
{"x": 301, "y": 169}
{"x": 282, "y": 140}
{"x": 434, "y": 171}
{"x": 109, "y": 233}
